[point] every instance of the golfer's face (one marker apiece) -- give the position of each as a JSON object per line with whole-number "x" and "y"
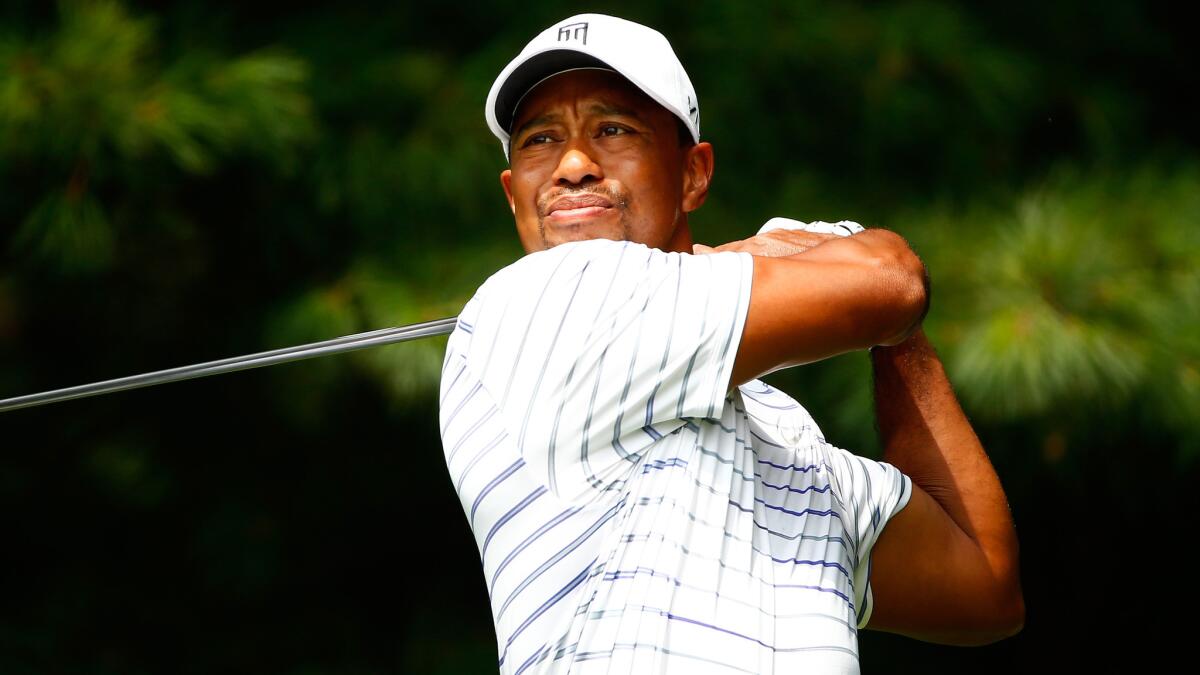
{"x": 595, "y": 158}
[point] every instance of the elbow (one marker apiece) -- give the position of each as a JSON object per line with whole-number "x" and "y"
{"x": 1004, "y": 618}
{"x": 1006, "y": 622}
{"x": 1012, "y": 618}
{"x": 1001, "y": 605}
{"x": 987, "y": 615}
{"x": 978, "y": 627}
{"x": 915, "y": 298}
{"x": 908, "y": 290}
{"x": 1008, "y": 602}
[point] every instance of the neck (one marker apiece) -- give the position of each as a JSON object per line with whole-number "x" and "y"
{"x": 681, "y": 239}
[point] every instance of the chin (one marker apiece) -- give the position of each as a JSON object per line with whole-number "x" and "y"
{"x": 554, "y": 236}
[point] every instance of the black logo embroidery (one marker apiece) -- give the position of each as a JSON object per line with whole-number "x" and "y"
{"x": 573, "y": 31}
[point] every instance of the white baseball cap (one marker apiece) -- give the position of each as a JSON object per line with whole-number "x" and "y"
{"x": 638, "y": 53}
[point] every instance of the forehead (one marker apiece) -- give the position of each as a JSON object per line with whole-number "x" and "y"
{"x": 584, "y": 89}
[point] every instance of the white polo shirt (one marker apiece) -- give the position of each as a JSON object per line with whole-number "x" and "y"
{"x": 631, "y": 514}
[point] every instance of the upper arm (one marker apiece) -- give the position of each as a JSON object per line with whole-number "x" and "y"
{"x": 933, "y": 582}
{"x": 594, "y": 350}
{"x": 841, "y": 296}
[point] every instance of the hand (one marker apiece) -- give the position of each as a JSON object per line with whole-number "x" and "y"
{"x": 773, "y": 244}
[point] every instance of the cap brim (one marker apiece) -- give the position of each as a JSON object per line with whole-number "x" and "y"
{"x": 535, "y": 69}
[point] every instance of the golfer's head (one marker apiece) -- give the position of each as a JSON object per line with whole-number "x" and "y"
{"x": 592, "y": 154}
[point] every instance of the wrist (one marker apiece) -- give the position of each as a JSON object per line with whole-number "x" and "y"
{"x": 913, "y": 349}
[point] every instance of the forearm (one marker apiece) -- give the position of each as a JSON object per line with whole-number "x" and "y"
{"x": 888, "y": 255}
{"x": 815, "y": 296}
{"x": 926, "y": 435}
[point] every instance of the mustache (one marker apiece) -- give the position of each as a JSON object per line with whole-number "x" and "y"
{"x": 618, "y": 197}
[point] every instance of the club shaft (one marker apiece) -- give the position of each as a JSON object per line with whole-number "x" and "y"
{"x": 348, "y": 343}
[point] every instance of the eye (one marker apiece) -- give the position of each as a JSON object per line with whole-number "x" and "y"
{"x": 537, "y": 139}
{"x": 612, "y": 130}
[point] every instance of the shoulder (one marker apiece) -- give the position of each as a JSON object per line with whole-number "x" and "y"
{"x": 565, "y": 258}
{"x": 599, "y": 268}
{"x": 536, "y": 286}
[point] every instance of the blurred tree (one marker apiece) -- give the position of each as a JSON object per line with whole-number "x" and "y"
{"x": 90, "y": 111}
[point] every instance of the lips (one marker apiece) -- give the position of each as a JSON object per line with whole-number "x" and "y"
{"x": 578, "y": 206}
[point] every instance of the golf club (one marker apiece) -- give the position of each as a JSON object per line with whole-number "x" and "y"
{"x": 347, "y": 343}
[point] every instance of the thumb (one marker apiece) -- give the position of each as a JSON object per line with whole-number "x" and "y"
{"x": 701, "y": 249}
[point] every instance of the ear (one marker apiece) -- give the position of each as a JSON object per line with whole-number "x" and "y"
{"x": 506, "y": 181}
{"x": 697, "y": 175}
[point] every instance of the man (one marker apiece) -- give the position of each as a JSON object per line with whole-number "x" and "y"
{"x": 641, "y": 503}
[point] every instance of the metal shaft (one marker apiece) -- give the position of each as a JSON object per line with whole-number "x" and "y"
{"x": 348, "y": 343}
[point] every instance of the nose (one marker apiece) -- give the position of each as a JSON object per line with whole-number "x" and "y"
{"x": 577, "y": 167}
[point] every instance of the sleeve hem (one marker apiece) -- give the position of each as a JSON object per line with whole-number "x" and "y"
{"x": 869, "y": 597}
{"x": 723, "y": 385}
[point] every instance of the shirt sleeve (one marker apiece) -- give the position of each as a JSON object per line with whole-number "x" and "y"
{"x": 593, "y": 350}
{"x": 872, "y": 492}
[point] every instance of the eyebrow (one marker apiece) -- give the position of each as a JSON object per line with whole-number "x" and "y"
{"x": 612, "y": 109}
{"x": 591, "y": 109}
{"x": 537, "y": 121}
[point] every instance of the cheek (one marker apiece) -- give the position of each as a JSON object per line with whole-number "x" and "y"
{"x": 524, "y": 200}
{"x": 525, "y": 187}
{"x": 655, "y": 194}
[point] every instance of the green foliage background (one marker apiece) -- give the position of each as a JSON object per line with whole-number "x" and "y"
{"x": 182, "y": 181}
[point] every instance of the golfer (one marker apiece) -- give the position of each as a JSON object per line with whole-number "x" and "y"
{"x": 641, "y": 502}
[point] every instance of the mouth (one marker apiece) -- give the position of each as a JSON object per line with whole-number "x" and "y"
{"x": 577, "y": 207}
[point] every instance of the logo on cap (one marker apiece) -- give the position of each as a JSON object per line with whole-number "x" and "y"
{"x": 572, "y": 31}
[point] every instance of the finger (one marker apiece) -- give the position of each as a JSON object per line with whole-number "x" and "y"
{"x": 803, "y": 236}
{"x": 701, "y": 249}
{"x": 740, "y": 245}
